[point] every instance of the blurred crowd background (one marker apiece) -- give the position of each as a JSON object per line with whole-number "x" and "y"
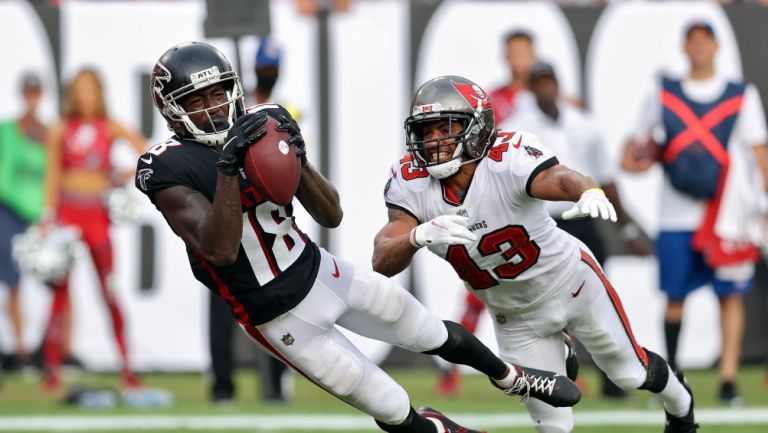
{"x": 346, "y": 70}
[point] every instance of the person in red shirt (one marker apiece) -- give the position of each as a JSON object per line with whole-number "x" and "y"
{"x": 79, "y": 175}
{"x": 520, "y": 56}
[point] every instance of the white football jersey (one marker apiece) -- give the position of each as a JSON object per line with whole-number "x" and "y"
{"x": 520, "y": 256}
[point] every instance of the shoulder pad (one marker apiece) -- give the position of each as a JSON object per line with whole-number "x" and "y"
{"x": 159, "y": 149}
{"x": 414, "y": 178}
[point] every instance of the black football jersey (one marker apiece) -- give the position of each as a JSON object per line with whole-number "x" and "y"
{"x": 277, "y": 263}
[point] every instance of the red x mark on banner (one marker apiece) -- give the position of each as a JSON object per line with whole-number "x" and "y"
{"x": 699, "y": 128}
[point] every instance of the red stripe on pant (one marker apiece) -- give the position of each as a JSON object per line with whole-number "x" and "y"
{"x": 242, "y": 315}
{"x": 639, "y": 351}
{"x": 259, "y": 337}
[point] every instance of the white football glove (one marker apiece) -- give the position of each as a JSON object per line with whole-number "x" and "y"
{"x": 592, "y": 203}
{"x": 442, "y": 230}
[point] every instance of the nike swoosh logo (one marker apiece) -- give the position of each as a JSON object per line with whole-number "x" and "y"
{"x": 576, "y": 293}
{"x": 519, "y": 141}
{"x": 148, "y": 159}
{"x": 336, "y": 272}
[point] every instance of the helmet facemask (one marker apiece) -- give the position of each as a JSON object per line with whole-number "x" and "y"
{"x": 435, "y": 154}
{"x": 214, "y": 132}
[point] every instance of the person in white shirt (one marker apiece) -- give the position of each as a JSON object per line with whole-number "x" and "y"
{"x": 474, "y": 195}
{"x": 709, "y": 133}
{"x": 576, "y": 140}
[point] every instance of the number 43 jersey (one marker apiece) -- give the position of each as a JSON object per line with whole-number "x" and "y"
{"x": 276, "y": 264}
{"x": 520, "y": 256}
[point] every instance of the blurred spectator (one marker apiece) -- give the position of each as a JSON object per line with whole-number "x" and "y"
{"x": 274, "y": 374}
{"x": 520, "y": 56}
{"x": 571, "y": 133}
{"x": 266, "y": 68}
{"x": 22, "y": 170}
{"x": 711, "y": 137}
{"x": 312, "y": 7}
{"x": 79, "y": 176}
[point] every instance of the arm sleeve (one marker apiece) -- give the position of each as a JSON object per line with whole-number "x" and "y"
{"x": 752, "y": 118}
{"x": 648, "y": 119}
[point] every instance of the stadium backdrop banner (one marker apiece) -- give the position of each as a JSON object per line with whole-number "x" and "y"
{"x": 378, "y": 52}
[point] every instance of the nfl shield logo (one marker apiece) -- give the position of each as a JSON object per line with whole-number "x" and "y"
{"x": 287, "y": 339}
{"x": 501, "y": 319}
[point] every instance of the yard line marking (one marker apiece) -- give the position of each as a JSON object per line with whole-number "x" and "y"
{"x": 315, "y": 422}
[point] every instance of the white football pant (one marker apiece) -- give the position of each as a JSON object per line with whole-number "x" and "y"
{"x": 368, "y": 304}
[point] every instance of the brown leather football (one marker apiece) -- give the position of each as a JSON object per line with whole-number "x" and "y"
{"x": 271, "y": 165}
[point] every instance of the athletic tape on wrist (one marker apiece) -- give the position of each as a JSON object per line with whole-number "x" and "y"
{"x": 412, "y": 239}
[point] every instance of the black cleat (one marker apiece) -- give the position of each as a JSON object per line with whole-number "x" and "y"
{"x": 683, "y": 424}
{"x": 552, "y": 389}
{"x": 728, "y": 395}
{"x": 442, "y": 422}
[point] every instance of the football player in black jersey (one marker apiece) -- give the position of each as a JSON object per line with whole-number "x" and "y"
{"x": 285, "y": 291}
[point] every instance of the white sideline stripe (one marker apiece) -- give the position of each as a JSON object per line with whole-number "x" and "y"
{"x": 305, "y": 421}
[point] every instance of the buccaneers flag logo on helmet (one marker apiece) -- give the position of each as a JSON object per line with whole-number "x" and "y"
{"x": 475, "y": 96}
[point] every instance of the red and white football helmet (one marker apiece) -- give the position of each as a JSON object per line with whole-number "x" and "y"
{"x": 454, "y": 99}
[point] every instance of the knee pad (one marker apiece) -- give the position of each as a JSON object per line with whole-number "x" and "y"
{"x": 418, "y": 329}
{"x": 626, "y": 371}
{"x": 382, "y": 398}
{"x": 548, "y": 419}
{"x": 377, "y": 295}
{"x": 658, "y": 373}
{"x": 332, "y": 366}
{"x": 627, "y": 383}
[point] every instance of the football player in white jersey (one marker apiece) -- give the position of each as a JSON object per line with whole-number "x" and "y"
{"x": 475, "y": 196}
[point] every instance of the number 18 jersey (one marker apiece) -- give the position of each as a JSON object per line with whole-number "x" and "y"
{"x": 520, "y": 256}
{"x": 276, "y": 263}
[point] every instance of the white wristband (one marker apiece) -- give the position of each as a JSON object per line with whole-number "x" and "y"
{"x": 412, "y": 239}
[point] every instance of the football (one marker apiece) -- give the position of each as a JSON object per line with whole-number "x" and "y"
{"x": 271, "y": 165}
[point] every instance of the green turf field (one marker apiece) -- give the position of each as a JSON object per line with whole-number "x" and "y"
{"x": 22, "y": 400}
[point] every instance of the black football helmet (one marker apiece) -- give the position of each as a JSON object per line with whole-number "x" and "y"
{"x": 185, "y": 69}
{"x": 454, "y": 99}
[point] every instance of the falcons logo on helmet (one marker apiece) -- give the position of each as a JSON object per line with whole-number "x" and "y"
{"x": 160, "y": 76}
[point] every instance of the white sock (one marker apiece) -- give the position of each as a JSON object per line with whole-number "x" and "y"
{"x": 509, "y": 380}
{"x": 676, "y": 399}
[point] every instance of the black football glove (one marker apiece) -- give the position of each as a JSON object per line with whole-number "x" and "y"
{"x": 240, "y": 137}
{"x": 289, "y": 125}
